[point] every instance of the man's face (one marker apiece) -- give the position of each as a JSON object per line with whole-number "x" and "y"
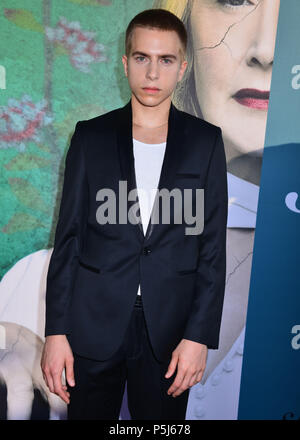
{"x": 155, "y": 61}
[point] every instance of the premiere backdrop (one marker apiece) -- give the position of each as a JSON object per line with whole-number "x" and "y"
{"x": 60, "y": 63}
{"x": 272, "y": 343}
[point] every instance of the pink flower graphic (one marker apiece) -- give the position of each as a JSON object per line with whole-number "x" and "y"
{"x": 21, "y": 121}
{"x": 80, "y": 45}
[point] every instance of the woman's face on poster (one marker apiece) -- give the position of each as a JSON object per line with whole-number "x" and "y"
{"x": 234, "y": 43}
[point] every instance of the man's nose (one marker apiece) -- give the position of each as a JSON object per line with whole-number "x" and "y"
{"x": 153, "y": 71}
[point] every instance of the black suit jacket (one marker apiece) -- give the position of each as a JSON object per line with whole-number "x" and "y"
{"x": 95, "y": 269}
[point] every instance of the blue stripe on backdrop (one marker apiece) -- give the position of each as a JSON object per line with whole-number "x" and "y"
{"x": 270, "y": 384}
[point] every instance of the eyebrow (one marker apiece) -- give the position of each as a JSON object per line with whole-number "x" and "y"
{"x": 160, "y": 56}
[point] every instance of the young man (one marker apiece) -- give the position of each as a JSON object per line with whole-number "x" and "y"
{"x": 137, "y": 300}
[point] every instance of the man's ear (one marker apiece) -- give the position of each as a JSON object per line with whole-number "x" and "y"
{"x": 182, "y": 69}
{"x": 124, "y": 61}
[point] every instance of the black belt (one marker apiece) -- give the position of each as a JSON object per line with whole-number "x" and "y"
{"x": 138, "y": 301}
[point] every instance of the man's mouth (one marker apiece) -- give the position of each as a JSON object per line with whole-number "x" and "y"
{"x": 151, "y": 89}
{"x": 254, "y": 98}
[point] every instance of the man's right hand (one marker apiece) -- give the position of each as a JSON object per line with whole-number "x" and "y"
{"x": 56, "y": 356}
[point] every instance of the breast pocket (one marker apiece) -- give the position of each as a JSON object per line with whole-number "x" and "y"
{"x": 188, "y": 181}
{"x": 188, "y": 175}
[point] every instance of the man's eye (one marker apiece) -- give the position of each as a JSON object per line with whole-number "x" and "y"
{"x": 234, "y": 3}
{"x": 139, "y": 58}
{"x": 168, "y": 60}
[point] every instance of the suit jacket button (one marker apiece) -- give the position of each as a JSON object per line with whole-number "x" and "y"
{"x": 146, "y": 251}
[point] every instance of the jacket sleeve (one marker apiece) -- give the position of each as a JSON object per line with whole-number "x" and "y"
{"x": 204, "y": 322}
{"x": 67, "y": 241}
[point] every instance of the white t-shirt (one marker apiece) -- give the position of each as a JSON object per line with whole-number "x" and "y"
{"x": 148, "y": 159}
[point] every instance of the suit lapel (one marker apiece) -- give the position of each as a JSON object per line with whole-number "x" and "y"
{"x": 171, "y": 161}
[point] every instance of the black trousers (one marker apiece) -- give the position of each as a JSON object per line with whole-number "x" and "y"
{"x": 99, "y": 385}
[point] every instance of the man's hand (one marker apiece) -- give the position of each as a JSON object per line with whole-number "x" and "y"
{"x": 56, "y": 356}
{"x": 191, "y": 359}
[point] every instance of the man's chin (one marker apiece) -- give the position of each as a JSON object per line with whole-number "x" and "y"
{"x": 150, "y": 101}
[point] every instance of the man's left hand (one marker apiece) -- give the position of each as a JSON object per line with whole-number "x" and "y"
{"x": 190, "y": 358}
